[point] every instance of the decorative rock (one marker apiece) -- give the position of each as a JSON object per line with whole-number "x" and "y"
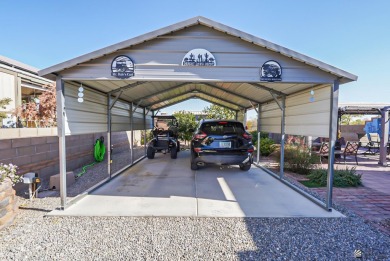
{"x": 8, "y": 204}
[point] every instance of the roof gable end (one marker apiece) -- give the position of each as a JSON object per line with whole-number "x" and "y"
{"x": 199, "y": 20}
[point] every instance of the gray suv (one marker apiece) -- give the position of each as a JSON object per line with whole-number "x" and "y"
{"x": 221, "y": 142}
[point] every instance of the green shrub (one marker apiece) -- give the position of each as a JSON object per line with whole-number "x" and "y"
{"x": 266, "y": 146}
{"x": 341, "y": 178}
{"x": 263, "y": 135}
{"x": 298, "y": 159}
{"x": 149, "y": 136}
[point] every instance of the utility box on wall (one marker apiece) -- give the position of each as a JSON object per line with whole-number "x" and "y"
{"x": 55, "y": 180}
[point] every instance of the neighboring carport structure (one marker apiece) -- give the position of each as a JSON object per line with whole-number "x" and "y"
{"x": 372, "y": 109}
{"x": 126, "y": 83}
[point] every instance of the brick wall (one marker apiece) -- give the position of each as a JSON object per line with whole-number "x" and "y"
{"x": 41, "y": 154}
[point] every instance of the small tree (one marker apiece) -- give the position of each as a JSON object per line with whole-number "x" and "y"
{"x": 47, "y": 107}
{"x": 186, "y": 121}
{"x": 346, "y": 119}
{"x": 42, "y": 113}
{"x": 218, "y": 112}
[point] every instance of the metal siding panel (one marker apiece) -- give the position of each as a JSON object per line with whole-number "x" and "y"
{"x": 308, "y": 118}
{"x": 87, "y": 117}
{"x": 120, "y": 119}
{"x": 270, "y": 118}
{"x": 120, "y": 127}
{"x": 89, "y": 95}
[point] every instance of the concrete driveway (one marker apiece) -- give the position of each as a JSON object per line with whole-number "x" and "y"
{"x": 168, "y": 187}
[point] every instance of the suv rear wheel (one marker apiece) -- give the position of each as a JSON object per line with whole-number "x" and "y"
{"x": 194, "y": 166}
{"x": 245, "y": 167}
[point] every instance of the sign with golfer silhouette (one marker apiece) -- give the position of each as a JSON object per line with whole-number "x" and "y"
{"x": 199, "y": 57}
{"x": 271, "y": 71}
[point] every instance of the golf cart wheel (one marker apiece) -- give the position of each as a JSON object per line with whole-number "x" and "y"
{"x": 173, "y": 153}
{"x": 245, "y": 167}
{"x": 194, "y": 166}
{"x": 178, "y": 146}
{"x": 150, "y": 153}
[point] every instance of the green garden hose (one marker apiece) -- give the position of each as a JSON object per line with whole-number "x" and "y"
{"x": 99, "y": 151}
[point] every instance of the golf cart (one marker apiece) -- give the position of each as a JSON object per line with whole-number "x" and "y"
{"x": 165, "y": 137}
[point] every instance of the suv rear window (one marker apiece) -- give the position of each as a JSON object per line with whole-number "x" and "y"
{"x": 222, "y": 128}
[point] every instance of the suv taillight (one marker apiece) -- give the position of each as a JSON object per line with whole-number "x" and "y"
{"x": 247, "y": 136}
{"x": 200, "y": 136}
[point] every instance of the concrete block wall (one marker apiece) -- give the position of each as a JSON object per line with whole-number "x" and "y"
{"x": 352, "y": 132}
{"x": 41, "y": 154}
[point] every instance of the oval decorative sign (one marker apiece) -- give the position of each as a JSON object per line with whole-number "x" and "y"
{"x": 122, "y": 67}
{"x": 271, "y": 71}
{"x": 199, "y": 57}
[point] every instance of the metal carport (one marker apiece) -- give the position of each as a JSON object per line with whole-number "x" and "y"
{"x": 125, "y": 83}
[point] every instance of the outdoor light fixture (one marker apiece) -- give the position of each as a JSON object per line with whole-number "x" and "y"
{"x": 311, "y": 99}
{"x": 81, "y": 94}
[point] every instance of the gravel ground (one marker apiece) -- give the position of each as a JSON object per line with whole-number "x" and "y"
{"x": 34, "y": 236}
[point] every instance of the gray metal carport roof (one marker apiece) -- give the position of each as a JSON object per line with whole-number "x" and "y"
{"x": 153, "y": 89}
{"x": 227, "y": 90}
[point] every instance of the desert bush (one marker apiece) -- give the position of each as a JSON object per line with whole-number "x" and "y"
{"x": 263, "y": 135}
{"x": 298, "y": 159}
{"x": 267, "y": 146}
{"x": 341, "y": 178}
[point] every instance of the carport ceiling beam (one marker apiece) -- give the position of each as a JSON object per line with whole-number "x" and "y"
{"x": 126, "y": 87}
{"x": 136, "y": 107}
{"x": 197, "y": 91}
{"x": 173, "y": 103}
{"x": 276, "y": 100}
{"x": 267, "y": 89}
{"x": 219, "y": 98}
{"x": 116, "y": 98}
{"x": 148, "y": 110}
{"x": 192, "y": 96}
{"x": 254, "y": 107}
{"x": 229, "y": 92}
{"x": 219, "y": 104}
{"x": 163, "y": 91}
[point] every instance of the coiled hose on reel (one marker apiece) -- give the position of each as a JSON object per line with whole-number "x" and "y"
{"x": 98, "y": 154}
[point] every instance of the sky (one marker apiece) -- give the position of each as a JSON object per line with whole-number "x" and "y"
{"x": 351, "y": 35}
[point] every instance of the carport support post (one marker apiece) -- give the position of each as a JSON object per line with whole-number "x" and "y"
{"x": 144, "y": 131}
{"x": 60, "y": 88}
{"x": 132, "y": 134}
{"x": 109, "y": 135}
{"x": 245, "y": 119}
{"x": 282, "y": 140}
{"x": 334, "y": 108}
{"x": 258, "y": 134}
{"x": 385, "y": 136}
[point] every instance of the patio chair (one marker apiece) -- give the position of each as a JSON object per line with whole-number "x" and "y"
{"x": 351, "y": 148}
{"x": 371, "y": 146}
{"x": 324, "y": 151}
